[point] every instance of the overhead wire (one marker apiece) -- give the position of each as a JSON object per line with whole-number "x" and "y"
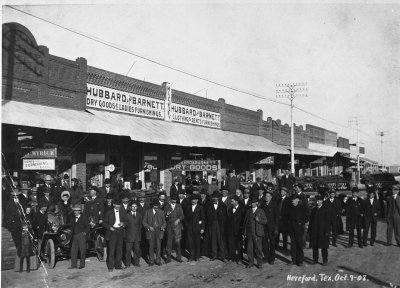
{"x": 191, "y": 74}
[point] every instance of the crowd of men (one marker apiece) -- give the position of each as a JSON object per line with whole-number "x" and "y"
{"x": 222, "y": 224}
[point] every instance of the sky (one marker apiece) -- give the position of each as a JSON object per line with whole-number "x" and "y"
{"x": 348, "y": 54}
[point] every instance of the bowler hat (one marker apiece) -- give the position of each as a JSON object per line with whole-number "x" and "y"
{"x": 246, "y": 191}
{"x": 268, "y": 192}
{"x": 117, "y": 202}
{"x": 224, "y": 188}
{"x": 107, "y": 181}
{"x": 48, "y": 178}
{"x": 195, "y": 197}
{"x": 155, "y": 202}
{"x": 77, "y": 207}
{"x": 215, "y": 194}
{"x": 66, "y": 176}
{"x": 204, "y": 191}
{"x": 94, "y": 188}
{"x": 355, "y": 189}
{"x": 319, "y": 197}
{"x": 175, "y": 197}
{"x": 254, "y": 199}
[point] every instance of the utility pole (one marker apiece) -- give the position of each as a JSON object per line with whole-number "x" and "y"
{"x": 381, "y": 133}
{"x": 356, "y": 121}
{"x": 291, "y": 91}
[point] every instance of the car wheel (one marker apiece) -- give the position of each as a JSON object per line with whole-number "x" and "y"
{"x": 101, "y": 251}
{"x": 50, "y": 254}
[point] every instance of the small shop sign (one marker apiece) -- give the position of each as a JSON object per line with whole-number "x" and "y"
{"x": 38, "y": 164}
{"x": 41, "y": 153}
{"x": 197, "y": 165}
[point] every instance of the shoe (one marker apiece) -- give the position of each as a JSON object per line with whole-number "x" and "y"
{"x": 110, "y": 270}
{"x": 372, "y": 244}
{"x": 190, "y": 260}
{"x": 196, "y": 259}
{"x": 119, "y": 268}
{"x": 168, "y": 260}
{"x": 291, "y": 263}
{"x": 223, "y": 260}
{"x": 28, "y": 270}
{"x": 151, "y": 264}
{"x": 271, "y": 262}
{"x": 334, "y": 245}
{"x": 350, "y": 246}
{"x": 314, "y": 262}
{"x": 325, "y": 263}
{"x": 158, "y": 263}
{"x": 136, "y": 264}
{"x": 300, "y": 264}
{"x": 213, "y": 259}
{"x": 259, "y": 266}
{"x": 72, "y": 267}
{"x": 81, "y": 267}
{"x": 360, "y": 246}
{"x": 250, "y": 266}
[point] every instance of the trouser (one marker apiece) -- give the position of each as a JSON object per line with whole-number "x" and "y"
{"x": 369, "y": 223}
{"x": 78, "y": 244}
{"x": 254, "y": 242}
{"x": 16, "y": 236}
{"x": 269, "y": 245}
{"x": 28, "y": 264}
{"x": 351, "y": 234}
{"x": 324, "y": 254}
{"x": 217, "y": 242}
{"x": 144, "y": 245}
{"x": 170, "y": 240}
{"x": 115, "y": 249}
{"x": 333, "y": 224}
{"x": 296, "y": 247}
{"x": 136, "y": 252}
{"x": 194, "y": 244}
{"x": 285, "y": 234}
{"x": 205, "y": 243}
{"x": 154, "y": 243}
{"x": 235, "y": 247}
{"x": 393, "y": 224}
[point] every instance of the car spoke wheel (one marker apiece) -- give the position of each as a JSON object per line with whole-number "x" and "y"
{"x": 100, "y": 250}
{"x": 50, "y": 254}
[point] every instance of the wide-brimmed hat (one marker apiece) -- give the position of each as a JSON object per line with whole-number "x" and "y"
{"x": 77, "y": 207}
{"x": 319, "y": 197}
{"x": 155, "y": 202}
{"x": 141, "y": 195}
{"x": 175, "y": 197}
{"x": 354, "y": 189}
{"x": 107, "y": 181}
{"x": 195, "y": 197}
{"x": 254, "y": 200}
{"x": 94, "y": 188}
{"x": 48, "y": 178}
{"x": 224, "y": 188}
{"x": 216, "y": 194}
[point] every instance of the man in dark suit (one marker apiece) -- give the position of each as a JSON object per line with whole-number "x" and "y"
{"x": 225, "y": 198}
{"x": 372, "y": 211}
{"x": 154, "y": 223}
{"x": 216, "y": 213}
{"x": 125, "y": 207}
{"x": 319, "y": 231}
{"x": 79, "y": 229}
{"x": 137, "y": 183}
{"x": 47, "y": 182}
{"x": 283, "y": 223}
{"x": 114, "y": 224}
{"x": 40, "y": 223}
{"x": 235, "y": 221}
{"x": 47, "y": 200}
{"x": 393, "y": 216}
{"x": 297, "y": 217}
{"x": 246, "y": 202}
{"x": 107, "y": 190}
{"x": 257, "y": 186}
{"x": 174, "y": 218}
{"x": 94, "y": 208}
{"x": 194, "y": 224}
{"x": 254, "y": 230}
{"x": 14, "y": 217}
{"x": 133, "y": 235}
{"x": 355, "y": 211}
{"x": 335, "y": 213}
{"x": 232, "y": 183}
{"x": 298, "y": 189}
{"x": 176, "y": 187}
{"x": 271, "y": 228}
{"x": 76, "y": 192}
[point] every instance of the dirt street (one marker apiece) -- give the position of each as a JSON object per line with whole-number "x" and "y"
{"x": 376, "y": 266}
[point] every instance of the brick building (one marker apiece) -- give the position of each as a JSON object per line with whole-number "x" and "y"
{"x": 93, "y": 118}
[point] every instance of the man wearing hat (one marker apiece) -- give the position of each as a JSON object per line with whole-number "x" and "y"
{"x": 335, "y": 213}
{"x": 114, "y": 224}
{"x": 203, "y": 198}
{"x": 319, "y": 230}
{"x": 47, "y": 182}
{"x": 40, "y": 222}
{"x": 372, "y": 211}
{"x": 283, "y": 224}
{"x": 298, "y": 188}
{"x": 254, "y": 230}
{"x": 79, "y": 229}
{"x": 46, "y": 199}
{"x": 133, "y": 234}
{"x": 224, "y": 198}
{"x": 216, "y": 214}
{"x": 76, "y": 192}
{"x": 194, "y": 223}
{"x": 246, "y": 202}
{"x": 393, "y": 215}
{"x": 232, "y": 183}
{"x": 154, "y": 223}
{"x": 271, "y": 228}
{"x": 137, "y": 183}
{"x": 107, "y": 190}
{"x": 14, "y": 217}
{"x": 142, "y": 207}
{"x": 125, "y": 197}
{"x": 235, "y": 221}
{"x": 174, "y": 218}
{"x": 257, "y": 186}
{"x": 297, "y": 218}
{"x": 176, "y": 187}
{"x": 355, "y": 211}
{"x": 24, "y": 197}
{"x": 94, "y": 208}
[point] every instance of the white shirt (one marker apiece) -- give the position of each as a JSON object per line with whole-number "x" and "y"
{"x": 224, "y": 198}
{"x": 394, "y": 196}
{"x": 173, "y": 206}
{"x": 194, "y": 207}
{"x": 234, "y": 208}
{"x": 371, "y": 200}
{"x": 246, "y": 200}
{"x": 216, "y": 206}
{"x": 77, "y": 218}
{"x": 254, "y": 209}
{"x": 154, "y": 212}
{"x": 117, "y": 221}
{"x": 125, "y": 206}
{"x": 332, "y": 200}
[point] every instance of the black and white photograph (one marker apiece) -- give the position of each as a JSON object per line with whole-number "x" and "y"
{"x": 200, "y": 143}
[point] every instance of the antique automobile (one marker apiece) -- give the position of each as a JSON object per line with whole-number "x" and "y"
{"x": 56, "y": 242}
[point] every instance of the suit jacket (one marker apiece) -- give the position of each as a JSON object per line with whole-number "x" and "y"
{"x": 40, "y": 224}
{"x": 137, "y": 185}
{"x": 227, "y": 202}
{"x": 157, "y": 221}
{"x": 319, "y": 229}
{"x": 235, "y": 220}
{"x": 297, "y": 218}
{"x": 133, "y": 227}
{"x": 355, "y": 211}
{"x": 233, "y": 184}
{"x": 255, "y": 187}
{"x": 143, "y": 209}
{"x": 217, "y": 216}
{"x": 175, "y": 191}
{"x": 245, "y": 206}
{"x": 47, "y": 202}
{"x": 13, "y": 215}
{"x": 393, "y": 207}
{"x": 76, "y": 195}
{"x": 172, "y": 215}
{"x": 252, "y": 226}
{"x": 195, "y": 220}
{"x": 103, "y": 192}
{"x": 95, "y": 209}
{"x": 125, "y": 210}
{"x": 109, "y": 221}
{"x": 272, "y": 213}
{"x": 334, "y": 208}
{"x": 82, "y": 225}
{"x": 371, "y": 210}
{"x": 185, "y": 203}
